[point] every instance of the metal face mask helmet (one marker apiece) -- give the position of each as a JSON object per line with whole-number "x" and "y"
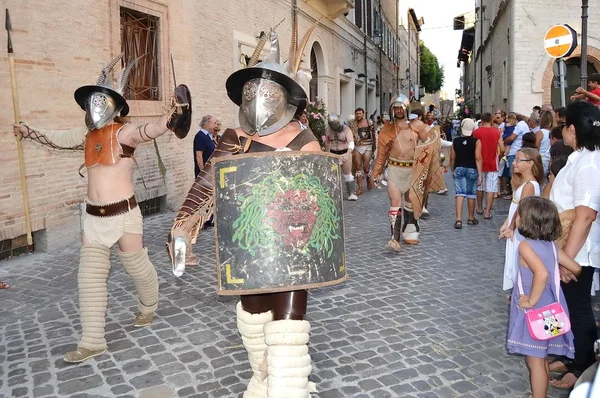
{"x": 100, "y": 110}
{"x": 101, "y": 102}
{"x": 267, "y": 92}
{"x": 264, "y": 108}
{"x": 400, "y": 100}
{"x": 335, "y": 123}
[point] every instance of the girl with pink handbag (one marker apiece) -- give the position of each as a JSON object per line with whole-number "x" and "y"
{"x": 539, "y": 320}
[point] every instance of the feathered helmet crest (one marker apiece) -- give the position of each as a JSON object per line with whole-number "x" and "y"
{"x": 263, "y": 107}
{"x": 104, "y": 85}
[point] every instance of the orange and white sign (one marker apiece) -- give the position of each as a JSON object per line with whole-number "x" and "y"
{"x": 560, "y": 41}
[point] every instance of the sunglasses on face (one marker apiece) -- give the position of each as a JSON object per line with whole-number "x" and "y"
{"x": 522, "y": 160}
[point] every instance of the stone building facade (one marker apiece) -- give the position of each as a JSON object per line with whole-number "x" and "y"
{"x": 60, "y": 46}
{"x": 509, "y": 68}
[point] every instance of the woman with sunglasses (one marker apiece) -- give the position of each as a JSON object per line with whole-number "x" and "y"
{"x": 576, "y": 193}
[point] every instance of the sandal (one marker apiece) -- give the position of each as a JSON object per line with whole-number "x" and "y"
{"x": 473, "y": 222}
{"x": 568, "y": 385}
{"x": 458, "y": 224}
{"x": 559, "y": 366}
{"x": 479, "y": 212}
{"x": 4, "y": 285}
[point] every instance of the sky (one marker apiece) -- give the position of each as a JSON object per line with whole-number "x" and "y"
{"x": 439, "y": 36}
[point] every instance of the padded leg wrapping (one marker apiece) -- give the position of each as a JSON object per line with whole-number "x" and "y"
{"x": 288, "y": 360}
{"x": 251, "y": 328}
{"x": 94, "y": 266}
{"x": 138, "y": 266}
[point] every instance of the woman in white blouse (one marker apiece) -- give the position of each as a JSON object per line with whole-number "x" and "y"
{"x": 577, "y": 187}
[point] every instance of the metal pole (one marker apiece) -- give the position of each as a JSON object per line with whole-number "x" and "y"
{"x": 561, "y": 75}
{"x": 584, "y": 25}
{"x": 381, "y": 61}
{"x": 366, "y": 73}
{"x": 481, "y": 59}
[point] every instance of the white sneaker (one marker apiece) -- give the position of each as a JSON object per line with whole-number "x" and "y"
{"x": 425, "y": 213}
{"x": 442, "y": 192}
{"x": 352, "y": 197}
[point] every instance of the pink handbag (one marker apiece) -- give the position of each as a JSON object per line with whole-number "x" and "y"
{"x": 551, "y": 320}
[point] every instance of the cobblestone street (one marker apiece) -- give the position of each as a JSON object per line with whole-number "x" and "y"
{"x": 429, "y": 322}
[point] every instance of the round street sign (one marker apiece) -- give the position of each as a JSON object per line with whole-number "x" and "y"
{"x": 560, "y": 41}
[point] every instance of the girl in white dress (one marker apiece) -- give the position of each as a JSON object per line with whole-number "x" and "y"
{"x": 528, "y": 174}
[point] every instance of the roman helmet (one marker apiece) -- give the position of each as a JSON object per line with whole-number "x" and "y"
{"x": 400, "y": 100}
{"x": 335, "y": 123}
{"x": 268, "y": 93}
{"x": 101, "y": 102}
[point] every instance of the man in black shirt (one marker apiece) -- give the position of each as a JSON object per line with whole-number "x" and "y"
{"x": 204, "y": 143}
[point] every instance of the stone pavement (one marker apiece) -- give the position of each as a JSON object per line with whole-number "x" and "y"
{"x": 428, "y": 322}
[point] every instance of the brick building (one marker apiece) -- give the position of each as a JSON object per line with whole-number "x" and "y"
{"x": 353, "y": 54}
{"x": 508, "y": 67}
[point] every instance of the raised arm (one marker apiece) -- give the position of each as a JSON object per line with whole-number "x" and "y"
{"x": 73, "y": 139}
{"x": 177, "y": 119}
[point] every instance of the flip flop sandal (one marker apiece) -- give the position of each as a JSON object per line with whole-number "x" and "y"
{"x": 488, "y": 218}
{"x": 577, "y": 374}
{"x": 4, "y": 285}
{"x": 473, "y": 222}
{"x": 479, "y": 212}
{"x": 458, "y": 225}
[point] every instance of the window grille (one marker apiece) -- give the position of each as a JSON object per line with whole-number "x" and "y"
{"x": 139, "y": 37}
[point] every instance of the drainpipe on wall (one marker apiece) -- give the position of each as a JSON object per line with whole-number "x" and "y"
{"x": 366, "y": 73}
{"x": 381, "y": 104}
{"x": 481, "y": 61}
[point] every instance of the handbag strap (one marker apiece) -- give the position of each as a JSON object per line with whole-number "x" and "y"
{"x": 556, "y": 276}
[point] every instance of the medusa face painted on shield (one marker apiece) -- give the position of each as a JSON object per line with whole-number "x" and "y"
{"x": 293, "y": 215}
{"x": 294, "y": 212}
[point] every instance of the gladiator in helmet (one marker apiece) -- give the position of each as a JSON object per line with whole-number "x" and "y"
{"x": 272, "y": 325}
{"x": 111, "y": 211}
{"x": 396, "y": 147}
{"x": 339, "y": 140}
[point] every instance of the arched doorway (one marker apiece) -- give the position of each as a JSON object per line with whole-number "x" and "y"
{"x": 571, "y": 80}
{"x": 314, "y": 71}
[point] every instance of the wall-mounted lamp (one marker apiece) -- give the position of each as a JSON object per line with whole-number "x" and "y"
{"x": 348, "y": 70}
{"x": 362, "y": 75}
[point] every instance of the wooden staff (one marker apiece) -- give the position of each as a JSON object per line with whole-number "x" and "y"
{"x": 13, "y": 81}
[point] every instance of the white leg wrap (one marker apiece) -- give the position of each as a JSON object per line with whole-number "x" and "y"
{"x": 288, "y": 360}
{"x": 251, "y": 327}
{"x": 94, "y": 267}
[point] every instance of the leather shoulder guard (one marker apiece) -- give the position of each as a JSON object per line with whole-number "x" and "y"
{"x": 181, "y": 116}
{"x": 384, "y": 144}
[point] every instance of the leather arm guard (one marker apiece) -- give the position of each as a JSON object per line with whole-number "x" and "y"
{"x": 180, "y": 120}
{"x": 198, "y": 206}
{"x": 73, "y": 139}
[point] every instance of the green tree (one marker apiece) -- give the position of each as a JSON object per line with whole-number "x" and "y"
{"x": 432, "y": 74}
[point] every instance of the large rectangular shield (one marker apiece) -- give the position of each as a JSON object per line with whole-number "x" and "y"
{"x": 426, "y": 171}
{"x": 278, "y": 222}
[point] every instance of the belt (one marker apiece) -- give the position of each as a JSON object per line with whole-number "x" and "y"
{"x": 113, "y": 209}
{"x": 405, "y": 163}
{"x": 340, "y": 152}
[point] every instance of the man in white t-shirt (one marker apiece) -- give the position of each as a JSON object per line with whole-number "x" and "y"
{"x": 515, "y": 140}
